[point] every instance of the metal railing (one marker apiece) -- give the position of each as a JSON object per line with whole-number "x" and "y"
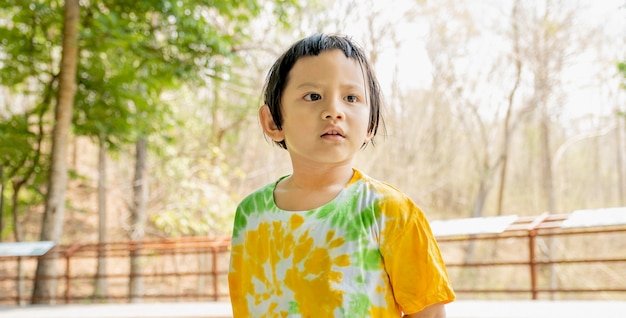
{"x": 181, "y": 269}
{"x": 195, "y": 268}
{"x": 543, "y": 253}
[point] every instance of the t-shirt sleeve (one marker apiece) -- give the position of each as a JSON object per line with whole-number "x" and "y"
{"x": 412, "y": 258}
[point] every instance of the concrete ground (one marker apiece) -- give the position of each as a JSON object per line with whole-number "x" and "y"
{"x": 458, "y": 309}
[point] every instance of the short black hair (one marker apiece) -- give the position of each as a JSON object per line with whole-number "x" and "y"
{"x": 277, "y": 77}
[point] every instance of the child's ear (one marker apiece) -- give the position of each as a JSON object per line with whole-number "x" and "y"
{"x": 269, "y": 126}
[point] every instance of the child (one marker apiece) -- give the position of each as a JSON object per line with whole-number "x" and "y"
{"x": 327, "y": 240}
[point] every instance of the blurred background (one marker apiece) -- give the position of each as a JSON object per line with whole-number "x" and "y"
{"x": 129, "y": 121}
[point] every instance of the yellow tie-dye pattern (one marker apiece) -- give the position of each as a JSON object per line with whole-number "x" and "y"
{"x": 309, "y": 277}
{"x": 295, "y": 221}
{"x": 311, "y": 285}
{"x": 238, "y": 284}
{"x": 280, "y": 267}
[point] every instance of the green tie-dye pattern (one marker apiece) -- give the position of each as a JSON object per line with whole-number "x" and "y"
{"x": 241, "y": 221}
{"x": 356, "y": 229}
{"x": 359, "y": 279}
{"x": 348, "y": 228}
{"x": 252, "y": 204}
{"x": 326, "y": 211}
{"x": 368, "y": 259}
{"x": 347, "y": 215}
{"x": 294, "y": 308}
{"x": 358, "y": 306}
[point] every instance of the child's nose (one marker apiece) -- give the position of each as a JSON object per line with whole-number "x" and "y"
{"x": 334, "y": 109}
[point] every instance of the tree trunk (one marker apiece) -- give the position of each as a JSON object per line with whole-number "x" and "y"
{"x": 138, "y": 219}
{"x": 477, "y": 211}
{"x": 17, "y": 233}
{"x": 44, "y": 290}
{"x": 548, "y": 188}
{"x": 507, "y": 119}
{"x": 619, "y": 158}
{"x": 101, "y": 286}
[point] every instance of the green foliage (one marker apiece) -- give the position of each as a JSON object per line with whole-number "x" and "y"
{"x": 29, "y": 34}
{"x": 15, "y": 140}
{"x": 23, "y": 168}
{"x": 28, "y": 197}
{"x": 200, "y": 203}
{"x": 131, "y": 53}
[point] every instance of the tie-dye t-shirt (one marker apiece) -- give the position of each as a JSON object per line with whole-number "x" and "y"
{"x": 367, "y": 253}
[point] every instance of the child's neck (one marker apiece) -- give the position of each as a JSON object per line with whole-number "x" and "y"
{"x": 319, "y": 178}
{"x": 308, "y": 189}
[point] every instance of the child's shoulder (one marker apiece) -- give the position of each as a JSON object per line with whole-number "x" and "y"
{"x": 392, "y": 202}
{"x": 383, "y": 188}
{"x": 260, "y": 196}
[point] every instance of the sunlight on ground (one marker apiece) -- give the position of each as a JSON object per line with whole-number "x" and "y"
{"x": 458, "y": 309}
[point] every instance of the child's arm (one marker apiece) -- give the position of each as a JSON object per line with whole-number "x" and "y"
{"x": 433, "y": 311}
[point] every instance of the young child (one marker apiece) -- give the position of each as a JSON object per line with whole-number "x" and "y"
{"x": 327, "y": 240}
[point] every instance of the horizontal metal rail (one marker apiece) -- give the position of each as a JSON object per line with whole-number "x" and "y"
{"x": 196, "y": 268}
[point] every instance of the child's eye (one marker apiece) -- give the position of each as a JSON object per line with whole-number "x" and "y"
{"x": 312, "y": 97}
{"x": 351, "y": 99}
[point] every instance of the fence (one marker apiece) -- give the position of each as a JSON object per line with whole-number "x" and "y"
{"x": 542, "y": 257}
{"x": 182, "y": 269}
{"x": 512, "y": 263}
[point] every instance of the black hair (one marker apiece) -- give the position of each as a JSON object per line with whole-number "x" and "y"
{"x": 277, "y": 77}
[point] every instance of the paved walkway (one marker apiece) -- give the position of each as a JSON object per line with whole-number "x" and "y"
{"x": 537, "y": 309}
{"x": 149, "y": 310}
{"x": 458, "y": 309}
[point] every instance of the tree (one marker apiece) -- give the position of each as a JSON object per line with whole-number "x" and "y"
{"x": 150, "y": 49}
{"x": 509, "y": 111}
{"x": 619, "y": 140}
{"x": 27, "y": 72}
{"x": 45, "y": 287}
{"x": 22, "y": 157}
{"x": 130, "y": 54}
{"x": 23, "y": 132}
{"x": 138, "y": 220}
{"x": 550, "y": 46}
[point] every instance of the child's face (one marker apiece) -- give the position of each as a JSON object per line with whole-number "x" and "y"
{"x": 325, "y": 110}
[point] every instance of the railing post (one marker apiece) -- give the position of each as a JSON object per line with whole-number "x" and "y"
{"x": 67, "y": 277}
{"x": 68, "y": 255}
{"x": 532, "y": 263}
{"x": 215, "y": 273}
{"x": 19, "y": 281}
